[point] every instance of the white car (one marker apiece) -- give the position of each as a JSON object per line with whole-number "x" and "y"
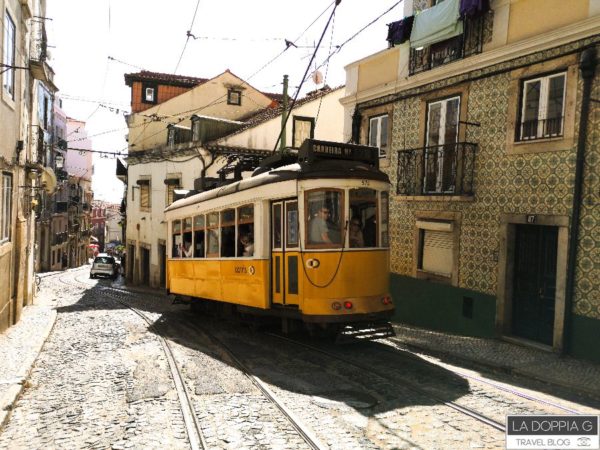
{"x": 104, "y": 265}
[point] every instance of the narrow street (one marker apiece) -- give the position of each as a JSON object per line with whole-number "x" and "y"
{"x": 107, "y": 379}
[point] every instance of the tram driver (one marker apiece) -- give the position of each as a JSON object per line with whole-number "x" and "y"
{"x": 318, "y": 227}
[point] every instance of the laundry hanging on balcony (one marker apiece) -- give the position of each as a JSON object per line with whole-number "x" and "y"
{"x": 474, "y": 8}
{"x": 399, "y": 32}
{"x": 436, "y": 24}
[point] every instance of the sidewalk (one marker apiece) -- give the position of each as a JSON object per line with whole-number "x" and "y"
{"x": 19, "y": 348}
{"x": 578, "y": 376}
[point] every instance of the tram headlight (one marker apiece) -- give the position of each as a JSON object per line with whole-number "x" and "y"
{"x": 336, "y": 306}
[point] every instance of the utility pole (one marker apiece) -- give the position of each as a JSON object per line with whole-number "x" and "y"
{"x": 282, "y": 142}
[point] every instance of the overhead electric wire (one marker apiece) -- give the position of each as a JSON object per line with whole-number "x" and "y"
{"x": 244, "y": 82}
{"x": 123, "y": 62}
{"x": 339, "y": 47}
{"x": 287, "y": 116}
{"x": 187, "y": 39}
{"x": 326, "y": 72}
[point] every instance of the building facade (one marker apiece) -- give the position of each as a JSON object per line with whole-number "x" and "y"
{"x": 166, "y": 153}
{"x": 491, "y": 128}
{"x": 23, "y": 162}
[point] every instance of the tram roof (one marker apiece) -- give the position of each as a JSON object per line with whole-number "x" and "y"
{"x": 319, "y": 168}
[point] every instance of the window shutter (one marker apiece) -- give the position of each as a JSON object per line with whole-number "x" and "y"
{"x": 145, "y": 195}
{"x": 437, "y": 252}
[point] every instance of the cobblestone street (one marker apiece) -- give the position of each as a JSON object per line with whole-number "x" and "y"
{"x": 105, "y": 380}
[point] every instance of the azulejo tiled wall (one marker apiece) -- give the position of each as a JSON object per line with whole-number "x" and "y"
{"x": 535, "y": 183}
{"x": 587, "y": 275}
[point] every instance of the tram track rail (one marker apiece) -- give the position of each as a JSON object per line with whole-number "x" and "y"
{"x": 192, "y": 425}
{"x": 303, "y": 431}
{"x": 451, "y": 404}
{"x": 480, "y": 380}
{"x": 424, "y": 392}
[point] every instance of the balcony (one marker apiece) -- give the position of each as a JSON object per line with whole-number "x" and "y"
{"x": 60, "y": 238}
{"x": 531, "y": 130}
{"x": 469, "y": 43}
{"x": 438, "y": 170}
{"x": 38, "y": 52}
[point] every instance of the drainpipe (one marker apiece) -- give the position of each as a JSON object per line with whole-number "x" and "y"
{"x": 587, "y": 65}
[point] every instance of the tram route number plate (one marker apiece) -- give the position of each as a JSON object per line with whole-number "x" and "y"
{"x": 552, "y": 432}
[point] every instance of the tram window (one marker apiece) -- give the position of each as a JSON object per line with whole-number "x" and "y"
{"x": 291, "y": 233}
{"x": 212, "y": 235}
{"x": 245, "y": 221}
{"x": 277, "y": 225}
{"x": 362, "y": 227}
{"x": 187, "y": 249}
{"x": 325, "y": 218}
{"x": 176, "y": 241}
{"x": 228, "y": 233}
{"x": 385, "y": 205}
{"x": 199, "y": 233}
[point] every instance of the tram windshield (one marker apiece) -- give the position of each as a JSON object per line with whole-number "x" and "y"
{"x": 329, "y": 225}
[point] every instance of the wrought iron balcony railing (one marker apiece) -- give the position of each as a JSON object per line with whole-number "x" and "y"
{"x": 38, "y": 50}
{"x": 467, "y": 44}
{"x": 438, "y": 170}
{"x": 530, "y": 130}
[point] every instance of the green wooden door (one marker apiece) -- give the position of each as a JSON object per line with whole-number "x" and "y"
{"x": 534, "y": 282}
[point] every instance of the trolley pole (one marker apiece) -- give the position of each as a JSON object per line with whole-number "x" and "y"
{"x": 282, "y": 142}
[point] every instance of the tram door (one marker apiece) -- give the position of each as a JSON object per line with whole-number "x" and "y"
{"x": 285, "y": 252}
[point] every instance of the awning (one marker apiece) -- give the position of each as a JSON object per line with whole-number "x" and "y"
{"x": 436, "y": 24}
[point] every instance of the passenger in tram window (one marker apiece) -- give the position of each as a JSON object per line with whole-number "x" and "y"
{"x": 355, "y": 234}
{"x": 247, "y": 245}
{"x": 370, "y": 232}
{"x": 187, "y": 249}
{"x": 318, "y": 228}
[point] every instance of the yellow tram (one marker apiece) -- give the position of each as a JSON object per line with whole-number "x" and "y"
{"x": 304, "y": 240}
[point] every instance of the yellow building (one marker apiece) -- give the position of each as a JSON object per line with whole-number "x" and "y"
{"x": 488, "y": 122}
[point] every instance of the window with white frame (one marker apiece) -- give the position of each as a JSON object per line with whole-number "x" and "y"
{"x": 542, "y": 108}
{"x": 440, "y": 148}
{"x": 9, "y": 54}
{"x": 149, "y": 93}
{"x": 5, "y": 207}
{"x": 436, "y": 247}
{"x": 378, "y": 134}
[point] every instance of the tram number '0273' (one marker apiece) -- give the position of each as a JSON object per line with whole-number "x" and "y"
{"x": 243, "y": 269}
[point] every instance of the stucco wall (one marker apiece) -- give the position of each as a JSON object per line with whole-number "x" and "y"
{"x": 327, "y": 110}
{"x": 207, "y": 99}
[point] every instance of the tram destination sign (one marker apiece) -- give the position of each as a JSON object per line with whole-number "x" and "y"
{"x": 312, "y": 149}
{"x": 556, "y": 432}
